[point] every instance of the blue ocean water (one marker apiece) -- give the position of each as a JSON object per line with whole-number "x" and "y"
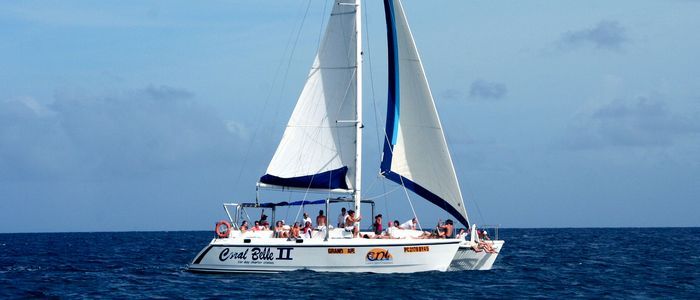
{"x": 542, "y": 263}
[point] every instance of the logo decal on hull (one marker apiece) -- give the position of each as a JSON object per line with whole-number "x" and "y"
{"x": 257, "y": 255}
{"x": 378, "y": 255}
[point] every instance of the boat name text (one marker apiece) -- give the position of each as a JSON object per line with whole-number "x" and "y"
{"x": 257, "y": 254}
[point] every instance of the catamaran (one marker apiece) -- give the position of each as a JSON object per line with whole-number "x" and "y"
{"x": 321, "y": 150}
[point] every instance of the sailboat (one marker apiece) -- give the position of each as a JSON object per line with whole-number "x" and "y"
{"x": 321, "y": 150}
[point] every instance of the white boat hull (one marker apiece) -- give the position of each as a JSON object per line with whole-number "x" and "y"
{"x": 270, "y": 255}
{"x": 467, "y": 259}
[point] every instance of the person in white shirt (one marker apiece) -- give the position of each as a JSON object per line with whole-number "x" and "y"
{"x": 306, "y": 218}
{"x": 341, "y": 218}
{"x": 410, "y": 224}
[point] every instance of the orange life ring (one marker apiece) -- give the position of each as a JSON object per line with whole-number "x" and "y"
{"x": 222, "y": 232}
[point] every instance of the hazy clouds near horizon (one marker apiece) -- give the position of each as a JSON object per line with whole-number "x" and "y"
{"x": 149, "y": 115}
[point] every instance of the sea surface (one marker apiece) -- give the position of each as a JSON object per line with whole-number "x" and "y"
{"x": 535, "y": 263}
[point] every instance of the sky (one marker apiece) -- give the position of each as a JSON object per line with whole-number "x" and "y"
{"x": 148, "y": 115}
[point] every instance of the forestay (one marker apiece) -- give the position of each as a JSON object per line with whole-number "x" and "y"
{"x": 415, "y": 151}
{"x": 317, "y": 150}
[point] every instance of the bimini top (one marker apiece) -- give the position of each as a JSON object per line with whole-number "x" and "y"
{"x": 300, "y": 202}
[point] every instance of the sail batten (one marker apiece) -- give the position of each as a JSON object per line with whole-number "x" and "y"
{"x": 415, "y": 152}
{"x": 317, "y": 152}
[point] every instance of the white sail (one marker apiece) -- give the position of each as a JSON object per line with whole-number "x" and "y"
{"x": 415, "y": 151}
{"x": 317, "y": 150}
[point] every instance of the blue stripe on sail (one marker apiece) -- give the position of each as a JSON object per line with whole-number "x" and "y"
{"x": 333, "y": 179}
{"x": 428, "y": 195}
{"x": 392, "y": 112}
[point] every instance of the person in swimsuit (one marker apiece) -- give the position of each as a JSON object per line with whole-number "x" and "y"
{"x": 244, "y": 226}
{"x": 445, "y": 231}
{"x": 350, "y": 221}
{"x": 321, "y": 221}
{"x": 377, "y": 224}
{"x": 279, "y": 230}
{"x": 257, "y": 226}
{"x": 294, "y": 231}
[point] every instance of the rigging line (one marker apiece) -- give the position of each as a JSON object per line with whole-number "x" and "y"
{"x": 323, "y": 21}
{"x": 479, "y": 211}
{"x": 383, "y": 195}
{"x": 275, "y": 77}
{"x": 405, "y": 190}
{"x": 374, "y": 102}
{"x": 291, "y": 56}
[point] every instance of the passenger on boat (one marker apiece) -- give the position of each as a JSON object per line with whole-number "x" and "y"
{"x": 483, "y": 235}
{"x": 445, "y": 231}
{"x": 279, "y": 230}
{"x": 462, "y": 235}
{"x": 307, "y": 230}
{"x": 391, "y": 229}
{"x": 410, "y": 224}
{"x": 350, "y": 221}
{"x": 306, "y": 218}
{"x": 321, "y": 221}
{"x": 482, "y": 244}
{"x": 257, "y": 226}
{"x": 294, "y": 231}
{"x": 264, "y": 223}
{"x": 477, "y": 247}
{"x": 244, "y": 227}
{"x": 377, "y": 224}
{"x": 341, "y": 218}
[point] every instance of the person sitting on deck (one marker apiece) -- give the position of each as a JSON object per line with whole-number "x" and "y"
{"x": 321, "y": 221}
{"x": 279, "y": 230}
{"x": 483, "y": 235}
{"x": 307, "y": 230}
{"x": 244, "y": 227}
{"x": 257, "y": 226}
{"x": 481, "y": 243}
{"x": 377, "y": 224}
{"x": 350, "y": 221}
{"x": 306, "y": 219}
{"x": 445, "y": 231}
{"x": 264, "y": 223}
{"x": 389, "y": 232}
{"x": 294, "y": 231}
{"x": 462, "y": 235}
{"x": 410, "y": 224}
{"x": 341, "y": 218}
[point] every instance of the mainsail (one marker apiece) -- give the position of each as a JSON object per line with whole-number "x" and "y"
{"x": 317, "y": 150}
{"x": 415, "y": 151}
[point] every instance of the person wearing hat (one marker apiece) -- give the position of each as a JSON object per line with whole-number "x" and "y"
{"x": 350, "y": 221}
{"x": 377, "y": 225}
{"x": 263, "y": 222}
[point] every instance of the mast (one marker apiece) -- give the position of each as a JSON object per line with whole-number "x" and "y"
{"x": 358, "y": 160}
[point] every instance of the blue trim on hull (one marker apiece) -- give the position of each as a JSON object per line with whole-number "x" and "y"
{"x": 333, "y": 179}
